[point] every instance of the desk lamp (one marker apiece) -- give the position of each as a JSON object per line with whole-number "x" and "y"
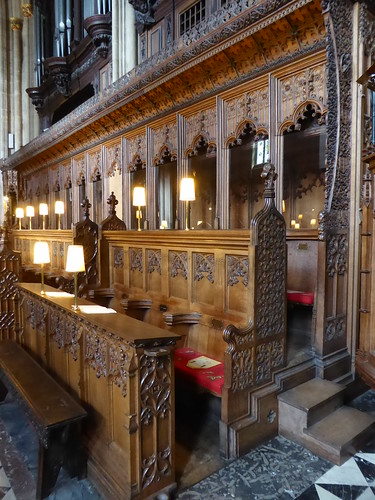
{"x": 59, "y": 210}
{"x": 30, "y": 212}
{"x": 41, "y": 256}
{"x": 139, "y": 200}
{"x": 187, "y": 193}
{"x": 19, "y": 215}
{"x": 75, "y": 263}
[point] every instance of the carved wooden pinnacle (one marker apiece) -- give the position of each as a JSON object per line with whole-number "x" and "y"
{"x": 270, "y": 176}
{"x": 112, "y": 202}
{"x": 86, "y": 205}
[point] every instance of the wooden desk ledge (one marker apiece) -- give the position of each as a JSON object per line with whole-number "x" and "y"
{"x": 200, "y": 369}
{"x": 55, "y": 415}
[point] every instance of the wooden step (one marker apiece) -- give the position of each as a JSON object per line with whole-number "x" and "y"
{"x": 305, "y": 404}
{"x": 339, "y": 435}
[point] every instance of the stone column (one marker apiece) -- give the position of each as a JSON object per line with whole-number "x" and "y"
{"x": 16, "y": 27}
{"x": 130, "y": 48}
{"x": 27, "y": 72}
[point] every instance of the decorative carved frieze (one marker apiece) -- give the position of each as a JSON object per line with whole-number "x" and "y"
{"x": 57, "y": 327}
{"x": 96, "y": 352}
{"x": 178, "y": 264}
{"x": 36, "y": 314}
{"x": 153, "y": 261}
{"x": 204, "y": 267}
{"x": 136, "y": 259}
{"x": 118, "y": 363}
{"x": 237, "y": 267}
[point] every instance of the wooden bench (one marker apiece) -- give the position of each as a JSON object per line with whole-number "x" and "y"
{"x": 55, "y": 416}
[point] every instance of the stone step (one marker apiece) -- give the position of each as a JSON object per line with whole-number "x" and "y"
{"x": 339, "y": 435}
{"x": 305, "y": 404}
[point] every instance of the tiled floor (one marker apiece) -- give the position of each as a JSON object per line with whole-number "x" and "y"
{"x": 278, "y": 469}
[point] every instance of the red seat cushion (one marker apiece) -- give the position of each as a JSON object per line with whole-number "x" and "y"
{"x": 209, "y": 377}
{"x": 306, "y": 298}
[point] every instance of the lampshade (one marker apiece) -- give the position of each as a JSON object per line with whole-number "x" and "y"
{"x": 187, "y": 189}
{"x": 41, "y": 253}
{"x": 75, "y": 261}
{"x": 30, "y": 212}
{"x": 139, "y": 197}
{"x": 43, "y": 209}
{"x": 59, "y": 207}
{"x": 19, "y": 213}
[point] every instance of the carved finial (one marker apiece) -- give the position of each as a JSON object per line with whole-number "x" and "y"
{"x": 112, "y": 202}
{"x": 270, "y": 176}
{"x": 86, "y": 205}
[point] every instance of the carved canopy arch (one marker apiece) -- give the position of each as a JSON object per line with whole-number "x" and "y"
{"x": 200, "y": 142}
{"x": 56, "y": 186}
{"x": 302, "y": 112}
{"x": 166, "y": 154}
{"x": 245, "y": 128}
{"x": 68, "y": 182}
{"x": 137, "y": 163}
{"x": 114, "y": 167}
{"x": 96, "y": 174}
{"x": 81, "y": 178}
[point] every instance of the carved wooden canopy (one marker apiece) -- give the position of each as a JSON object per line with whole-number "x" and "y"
{"x": 252, "y": 44}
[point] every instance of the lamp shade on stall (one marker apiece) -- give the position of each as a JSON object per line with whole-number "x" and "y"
{"x": 41, "y": 256}
{"x": 75, "y": 263}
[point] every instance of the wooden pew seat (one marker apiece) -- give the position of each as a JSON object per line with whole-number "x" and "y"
{"x": 199, "y": 369}
{"x": 298, "y": 297}
{"x": 54, "y": 414}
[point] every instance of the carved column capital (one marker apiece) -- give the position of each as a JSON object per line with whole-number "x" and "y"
{"x": 15, "y": 24}
{"x": 27, "y": 9}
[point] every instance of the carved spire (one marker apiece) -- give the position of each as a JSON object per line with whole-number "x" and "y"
{"x": 112, "y": 202}
{"x": 269, "y": 175}
{"x": 86, "y": 205}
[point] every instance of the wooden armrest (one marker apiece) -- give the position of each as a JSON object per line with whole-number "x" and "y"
{"x": 190, "y": 318}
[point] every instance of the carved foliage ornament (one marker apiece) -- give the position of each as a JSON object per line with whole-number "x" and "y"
{"x": 239, "y": 355}
{"x": 153, "y": 261}
{"x": 204, "y": 267}
{"x": 237, "y": 267}
{"x": 178, "y": 263}
{"x": 155, "y": 396}
{"x": 337, "y": 250}
{"x": 136, "y": 259}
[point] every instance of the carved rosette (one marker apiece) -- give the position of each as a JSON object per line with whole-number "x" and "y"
{"x": 178, "y": 264}
{"x": 155, "y": 398}
{"x": 204, "y": 267}
{"x": 237, "y": 270}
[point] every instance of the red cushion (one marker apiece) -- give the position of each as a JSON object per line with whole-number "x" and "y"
{"x": 306, "y": 298}
{"x": 211, "y": 378}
